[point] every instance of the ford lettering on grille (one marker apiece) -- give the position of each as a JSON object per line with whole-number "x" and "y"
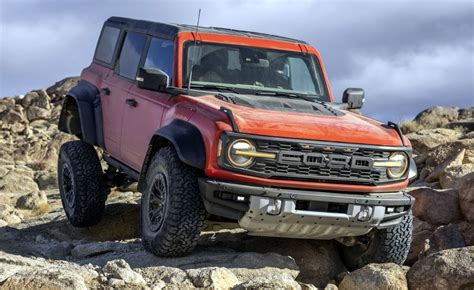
{"x": 325, "y": 160}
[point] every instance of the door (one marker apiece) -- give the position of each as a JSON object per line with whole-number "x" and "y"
{"x": 118, "y": 85}
{"x": 113, "y": 95}
{"x": 142, "y": 117}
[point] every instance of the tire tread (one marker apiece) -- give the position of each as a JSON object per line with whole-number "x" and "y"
{"x": 90, "y": 195}
{"x": 185, "y": 215}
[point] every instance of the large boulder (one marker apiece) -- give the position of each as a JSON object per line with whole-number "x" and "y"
{"x": 47, "y": 180}
{"x": 35, "y": 201}
{"x": 426, "y": 139}
{"x": 451, "y": 177}
{"x": 437, "y": 207}
{"x": 18, "y": 180}
{"x": 44, "y": 279}
{"x": 266, "y": 278}
{"x": 466, "y": 197}
{"x": 420, "y": 239}
{"x": 443, "y": 152}
{"x": 119, "y": 269}
{"x": 437, "y": 116}
{"x": 172, "y": 277}
{"x": 34, "y": 113}
{"x": 375, "y": 276}
{"x": 60, "y": 89}
{"x": 448, "y": 269}
{"x": 214, "y": 278}
{"x": 8, "y": 215}
{"x": 11, "y": 116}
{"x": 39, "y": 99}
{"x": 6, "y": 103}
{"x": 466, "y": 113}
{"x": 443, "y": 238}
{"x": 467, "y": 229}
{"x": 17, "y": 272}
{"x": 454, "y": 160}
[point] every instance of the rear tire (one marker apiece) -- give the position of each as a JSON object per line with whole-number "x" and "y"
{"x": 381, "y": 246}
{"x": 81, "y": 184}
{"x": 172, "y": 212}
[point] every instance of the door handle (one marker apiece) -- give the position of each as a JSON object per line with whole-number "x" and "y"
{"x": 105, "y": 91}
{"x": 131, "y": 102}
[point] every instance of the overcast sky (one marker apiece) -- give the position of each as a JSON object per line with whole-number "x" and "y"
{"x": 406, "y": 55}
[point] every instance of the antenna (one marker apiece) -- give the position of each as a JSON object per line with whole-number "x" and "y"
{"x": 193, "y": 61}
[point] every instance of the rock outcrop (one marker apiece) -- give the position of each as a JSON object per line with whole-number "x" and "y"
{"x": 448, "y": 269}
{"x": 376, "y": 276}
{"x": 444, "y": 190}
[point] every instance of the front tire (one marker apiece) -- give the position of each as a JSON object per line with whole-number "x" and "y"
{"x": 172, "y": 212}
{"x": 81, "y": 184}
{"x": 380, "y": 246}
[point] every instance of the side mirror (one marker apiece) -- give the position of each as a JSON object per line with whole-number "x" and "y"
{"x": 152, "y": 79}
{"x": 353, "y": 97}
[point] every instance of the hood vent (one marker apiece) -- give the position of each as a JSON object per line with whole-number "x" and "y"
{"x": 226, "y": 98}
{"x": 280, "y": 104}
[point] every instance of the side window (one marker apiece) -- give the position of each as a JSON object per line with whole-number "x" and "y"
{"x": 107, "y": 42}
{"x": 132, "y": 48}
{"x": 160, "y": 55}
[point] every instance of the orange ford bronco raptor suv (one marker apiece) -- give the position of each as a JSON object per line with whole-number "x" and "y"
{"x": 231, "y": 125}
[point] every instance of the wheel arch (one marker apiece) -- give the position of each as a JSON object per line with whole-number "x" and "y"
{"x": 185, "y": 138}
{"x": 81, "y": 114}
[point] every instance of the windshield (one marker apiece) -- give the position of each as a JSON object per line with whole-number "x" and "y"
{"x": 253, "y": 70}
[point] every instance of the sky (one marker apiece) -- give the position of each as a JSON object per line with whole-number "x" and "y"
{"x": 406, "y": 55}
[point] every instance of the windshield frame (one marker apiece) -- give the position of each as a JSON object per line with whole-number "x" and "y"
{"x": 316, "y": 67}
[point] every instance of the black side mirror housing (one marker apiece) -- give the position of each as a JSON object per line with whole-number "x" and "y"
{"x": 353, "y": 97}
{"x": 152, "y": 79}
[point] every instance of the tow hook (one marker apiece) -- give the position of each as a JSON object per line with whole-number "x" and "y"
{"x": 365, "y": 213}
{"x": 274, "y": 207}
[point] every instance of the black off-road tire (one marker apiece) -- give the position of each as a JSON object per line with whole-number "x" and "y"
{"x": 180, "y": 206}
{"x": 81, "y": 184}
{"x": 382, "y": 246}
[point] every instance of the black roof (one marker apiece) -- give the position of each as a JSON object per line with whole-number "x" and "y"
{"x": 169, "y": 31}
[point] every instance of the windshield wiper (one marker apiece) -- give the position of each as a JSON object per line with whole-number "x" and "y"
{"x": 214, "y": 87}
{"x": 288, "y": 95}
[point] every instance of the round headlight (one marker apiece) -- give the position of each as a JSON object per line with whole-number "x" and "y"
{"x": 239, "y": 146}
{"x": 402, "y": 165}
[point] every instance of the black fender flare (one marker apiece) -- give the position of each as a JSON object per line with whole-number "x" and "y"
{"x": 82, "y": 114}
{"x": 185, "y": 138}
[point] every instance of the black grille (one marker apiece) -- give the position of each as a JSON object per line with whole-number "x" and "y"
{"x": 300, "y": 161}
{"x": 300, "y": 147}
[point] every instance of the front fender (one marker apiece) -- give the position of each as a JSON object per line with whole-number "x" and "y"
{"x": 185, "y": 138}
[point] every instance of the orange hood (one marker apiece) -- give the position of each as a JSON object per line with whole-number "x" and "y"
{"x": 347, "y": 127}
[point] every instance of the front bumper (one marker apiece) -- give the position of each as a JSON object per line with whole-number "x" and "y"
{"x": 293, "y": 213}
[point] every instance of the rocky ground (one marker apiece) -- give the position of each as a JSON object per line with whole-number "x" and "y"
{"x": 39, "y": 249}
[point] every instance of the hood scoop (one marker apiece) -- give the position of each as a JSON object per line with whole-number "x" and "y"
{"x": 281, "y": 104}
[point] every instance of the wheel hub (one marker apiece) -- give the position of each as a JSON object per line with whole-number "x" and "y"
{"x": 157, "y": 202}
{"x": 68, "y": 186}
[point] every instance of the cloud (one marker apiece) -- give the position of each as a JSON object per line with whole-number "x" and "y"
{"x": 406, "y": 55}
{"x": 406, "y": 83}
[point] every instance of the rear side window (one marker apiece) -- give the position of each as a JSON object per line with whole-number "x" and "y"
{"x": 160, "y": 55}
{"x": 132, "y": 48}
{"x": 107, "y": 42}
